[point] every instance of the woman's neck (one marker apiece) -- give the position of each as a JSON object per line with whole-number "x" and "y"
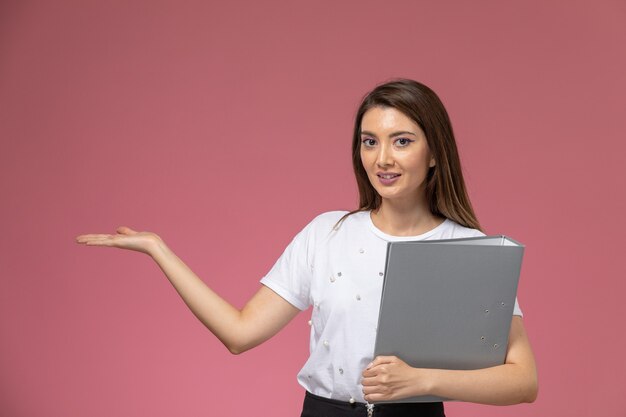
{"x": 404, "y": 219}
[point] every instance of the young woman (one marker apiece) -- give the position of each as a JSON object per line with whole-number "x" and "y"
{"x": 410, "y": 188}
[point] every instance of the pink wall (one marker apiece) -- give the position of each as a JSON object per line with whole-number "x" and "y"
{"x": 225, "y": 128}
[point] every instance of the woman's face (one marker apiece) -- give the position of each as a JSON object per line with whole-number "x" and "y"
{"x": 395, "y": 154}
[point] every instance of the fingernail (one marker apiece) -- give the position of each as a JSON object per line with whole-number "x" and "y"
{"x": 370, "y": 365}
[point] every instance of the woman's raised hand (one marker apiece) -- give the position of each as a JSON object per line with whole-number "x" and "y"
{"x": 126, "y": 238}
{"x": 262, "y": 317}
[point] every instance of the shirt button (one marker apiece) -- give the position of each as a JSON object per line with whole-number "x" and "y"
{"x": 358, "y": 297}
{"x": 341, "y": 371}
{"x": 361, "y": 250}
{"x": 326, "y": 343}
{"x": 338, "y": 274}
{"x": 381, "y": 274}
{"x": 310, "y": 323}
{"x": 332, "y": 278}
{"x": 352, "y": 400}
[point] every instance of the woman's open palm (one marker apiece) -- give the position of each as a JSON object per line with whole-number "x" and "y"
{"x": 126, "y": 238}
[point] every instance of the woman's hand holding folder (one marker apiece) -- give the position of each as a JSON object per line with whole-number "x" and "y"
{"x": 515, "y": 381}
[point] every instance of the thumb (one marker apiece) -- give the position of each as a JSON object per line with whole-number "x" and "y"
{"x": 125, "y": 230}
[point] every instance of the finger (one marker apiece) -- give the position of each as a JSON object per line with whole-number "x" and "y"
{"x": 378, "y": 370}
{"x": 369, "y": 372}
{"x": 369, "y": 381}
{"x": 375, "y": 370}
{"x": 87, "y": 238}
{"x": 100, "y": 242}
{"x": 372, "y": 389}
{"x": 376, "y": 397}
{"x": 380, "y": 360}
{"x": 100, "y": 238}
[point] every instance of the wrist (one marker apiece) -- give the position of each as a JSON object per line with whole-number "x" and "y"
{"x": 425, "y": 381}
{"x": 439, "y": 381}
{"x": 157, "y": 247}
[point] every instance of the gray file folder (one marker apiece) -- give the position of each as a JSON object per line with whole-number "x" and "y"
{"x": 448, "y": 304}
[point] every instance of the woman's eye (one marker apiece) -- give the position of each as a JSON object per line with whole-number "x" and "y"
{"x": 403, "y": 141}
{"x": 368, "y": 142}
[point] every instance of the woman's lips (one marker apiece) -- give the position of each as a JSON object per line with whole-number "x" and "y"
{"x": 388, "y": 179}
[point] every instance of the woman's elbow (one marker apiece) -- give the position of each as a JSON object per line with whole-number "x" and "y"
{"x": 233, "y": 349}
{"x": 236, "y": 349}
{"x": 239, "y": 347}
{"x": 531, "y": 391}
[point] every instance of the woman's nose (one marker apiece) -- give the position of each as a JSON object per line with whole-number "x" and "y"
{"x": 384, "y": 157}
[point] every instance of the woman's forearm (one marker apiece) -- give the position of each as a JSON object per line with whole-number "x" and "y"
{"x": 219, "y": 316}
{"x": 239, "y": 330}
{"x": 511, "y": 383}
{"x": 500, "y": 385}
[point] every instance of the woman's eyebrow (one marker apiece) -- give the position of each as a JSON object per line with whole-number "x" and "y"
{"x": 402, "y": 132}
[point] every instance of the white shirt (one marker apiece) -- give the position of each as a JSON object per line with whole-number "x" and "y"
{"x": 340, "y": 273}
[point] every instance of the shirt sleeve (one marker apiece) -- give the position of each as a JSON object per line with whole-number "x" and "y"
{"x": 291, "y": 275}
{"x": 517, "y": 311}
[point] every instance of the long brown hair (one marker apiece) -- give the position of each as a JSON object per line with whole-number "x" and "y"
{"x": 445, "y": 188}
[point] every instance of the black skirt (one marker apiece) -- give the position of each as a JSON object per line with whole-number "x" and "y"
{"x": 316, "y": 406}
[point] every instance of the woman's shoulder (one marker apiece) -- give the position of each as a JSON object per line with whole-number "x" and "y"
{"x": 332, "y": 220}
{"x": 327, "y": 220}
{"x": 330, "y": 216}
